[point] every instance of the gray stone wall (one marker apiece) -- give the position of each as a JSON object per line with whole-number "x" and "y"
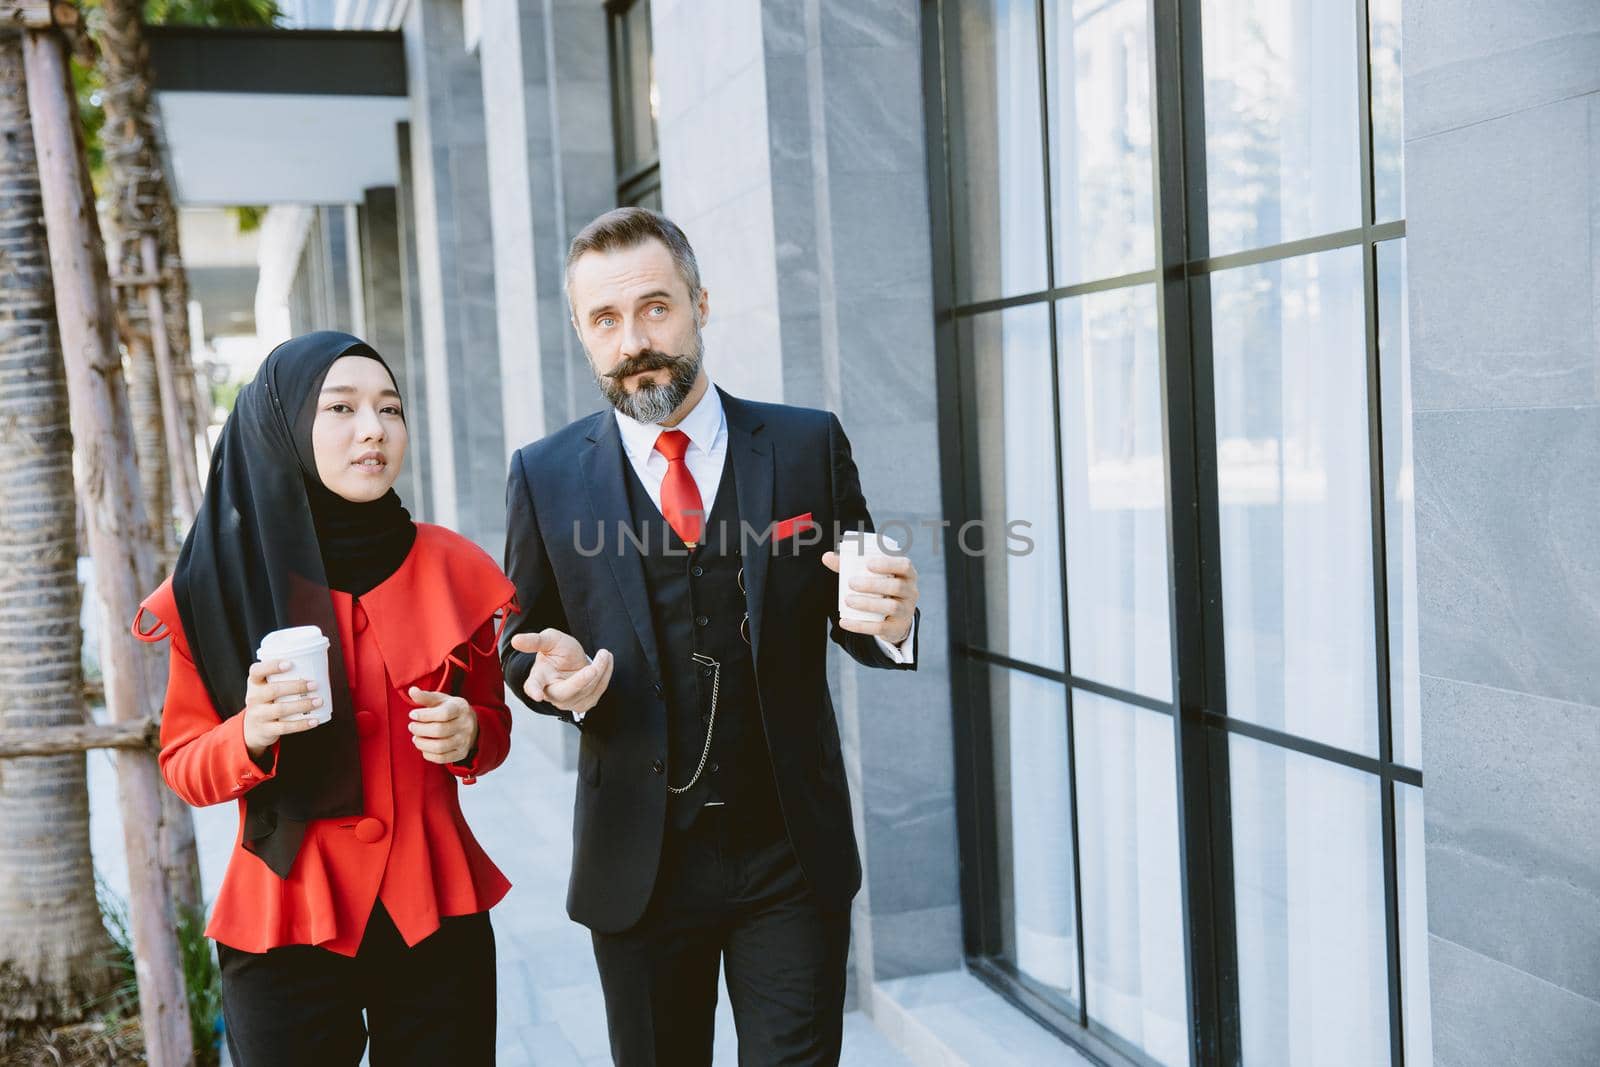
{"x": 455, "y": 274}
{"x": 550, "y": 171}
{"x": 384, "y": 312}
{"x": 716, "y": 179}
{"x": 1503, "y": 203}
{"x": 411, "y": 302}
{"x": 792, "y": 153}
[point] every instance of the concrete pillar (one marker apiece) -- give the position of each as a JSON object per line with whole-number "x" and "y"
{"x": 792, "y": 151}
{"x": 334, "y": 253}
{"x": 383, "y": 305}
{"x": 455, "y": 267}
{"x": 1502, "y": 193}
{"x": 550, "y": 171}
{"x": 417, "y": 420}
{"x": 547, "y": 98}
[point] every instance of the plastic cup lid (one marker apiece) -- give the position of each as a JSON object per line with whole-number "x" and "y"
{"x": 294, "y": 637}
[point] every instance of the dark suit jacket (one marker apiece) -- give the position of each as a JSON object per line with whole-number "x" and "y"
{"x": 565, "y": 491}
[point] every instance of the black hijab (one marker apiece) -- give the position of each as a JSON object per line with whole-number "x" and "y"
{"x": 269, "y": 543}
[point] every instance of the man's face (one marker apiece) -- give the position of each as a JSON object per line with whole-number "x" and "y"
{"x": 639, "y": 326}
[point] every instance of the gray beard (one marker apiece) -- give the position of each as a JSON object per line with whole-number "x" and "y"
{"x": 654, "y": 402}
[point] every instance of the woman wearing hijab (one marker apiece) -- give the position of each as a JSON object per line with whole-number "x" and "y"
{"x": 354, "y": 884}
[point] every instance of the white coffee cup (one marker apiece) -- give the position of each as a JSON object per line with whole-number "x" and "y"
{"x": 856, "y": 550}
{"x": 305, "y": 649}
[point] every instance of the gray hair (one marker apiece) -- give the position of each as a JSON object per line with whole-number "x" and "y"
{"x": 629, "y": 227}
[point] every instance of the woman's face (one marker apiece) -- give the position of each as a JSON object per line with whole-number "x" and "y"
{"x": 359, "y": 435}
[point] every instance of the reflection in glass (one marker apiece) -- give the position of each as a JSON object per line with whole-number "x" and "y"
{"x": 1308, "y": 893}
{"x": 1128, "y": 849}
{"x": 1017, "y": 458}
{"x": 1388, "y": 150}
{"x": 1033, "y": 817}
{"x": 1413, "y": 889}
{"x": 1115, "y": 490}
{"x": 1295, "y": 497}
{"x": 1282, "y": 123}
{"x": 996, "y": 151}
{"x": 1097, "y": 62}
{"x": 636, "y": 88}
{"x": 1400, "y": 505}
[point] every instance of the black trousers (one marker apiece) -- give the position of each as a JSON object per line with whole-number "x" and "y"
{"x": 432, "y": 1003}
{"x": 721, "y": 897}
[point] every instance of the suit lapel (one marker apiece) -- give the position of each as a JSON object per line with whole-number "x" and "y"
{"x": 601, "y": 464}
{"x": 751, "y": 451}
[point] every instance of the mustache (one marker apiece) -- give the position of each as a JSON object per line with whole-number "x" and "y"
{"x": 648, "y": 360}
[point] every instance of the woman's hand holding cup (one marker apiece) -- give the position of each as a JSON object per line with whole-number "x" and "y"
{"x": 273, "y": 709}
{"x": 444, "y": 728}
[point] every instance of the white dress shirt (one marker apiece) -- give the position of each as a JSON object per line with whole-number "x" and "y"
{"x": 707, "y": 428}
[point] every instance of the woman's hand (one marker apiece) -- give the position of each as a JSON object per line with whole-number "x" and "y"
{"x": 444, "y": 728}
{"x": 266, "y": 715}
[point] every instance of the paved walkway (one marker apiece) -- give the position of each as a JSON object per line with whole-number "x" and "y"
{"x": 551, "y": 1012}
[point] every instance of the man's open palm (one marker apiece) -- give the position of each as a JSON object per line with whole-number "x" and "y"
{"x": 563, "y": 675}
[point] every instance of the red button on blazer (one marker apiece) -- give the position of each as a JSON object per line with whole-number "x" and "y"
{"x": 411, "y": 847}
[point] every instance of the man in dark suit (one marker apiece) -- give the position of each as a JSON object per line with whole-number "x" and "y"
{"x": 679, "y": 539}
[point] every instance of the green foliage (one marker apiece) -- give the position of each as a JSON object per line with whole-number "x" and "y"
{"x": 203, "y": 981}
{"x": 225, "y": 394}
{"x": 201, "y": 978}
{"x": 263, "y": 13}
{"x": 248, "y": 216}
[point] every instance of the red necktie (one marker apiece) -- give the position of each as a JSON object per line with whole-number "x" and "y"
{"x": 680, "y": 497}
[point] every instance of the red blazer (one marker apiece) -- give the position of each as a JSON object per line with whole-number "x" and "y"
{"x": 412, "y": 848}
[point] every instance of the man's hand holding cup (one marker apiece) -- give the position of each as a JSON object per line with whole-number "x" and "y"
{"x": 879, "y": 594}
{"x": 562, "y": 675}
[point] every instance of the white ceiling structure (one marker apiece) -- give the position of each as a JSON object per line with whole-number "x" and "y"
{"x": 279, "y": 116}
{"x": 279, "y": 148}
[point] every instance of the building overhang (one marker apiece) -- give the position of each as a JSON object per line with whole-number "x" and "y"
{"x": 278, "y": 116}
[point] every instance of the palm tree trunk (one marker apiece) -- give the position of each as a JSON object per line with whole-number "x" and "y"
{"x": 149, "y": 433}
{"x": 141, "y": 212}
{"x": 123, "y": 560}
{"x": 140, "y": 203}
{"x": 54, "y": 950}
{"x": 194, "y": 402}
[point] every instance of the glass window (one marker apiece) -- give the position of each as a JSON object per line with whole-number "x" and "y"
{"x": 1400, "y": 508}
{"x": 635, "y": 104}
{"x": 997, "y": 159}
{"x": 1282, "y": 120}
{"x": 1017, "y": 456}
{"x": 1128, "y": 851}
{"x": 1098, "y": 73}
{"x": 1388, "y": 156}
{"x": 1033, "y": 824}
{"x": 1308, "y": 893}
{"x": 1114, "y": 484}
{"x": 1413, "y": 891}
{"x": 1295, "y": 497}
{"x": 1248, "y": 389}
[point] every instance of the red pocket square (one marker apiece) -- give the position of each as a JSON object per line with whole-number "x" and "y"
{"x": 788, "y": 527}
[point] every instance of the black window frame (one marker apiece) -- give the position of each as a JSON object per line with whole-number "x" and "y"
{"x": 642, "y": 179}
{"x": 1201, "y": 725}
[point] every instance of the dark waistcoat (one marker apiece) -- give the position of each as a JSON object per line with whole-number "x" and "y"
{"x": 697, "y": 607}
